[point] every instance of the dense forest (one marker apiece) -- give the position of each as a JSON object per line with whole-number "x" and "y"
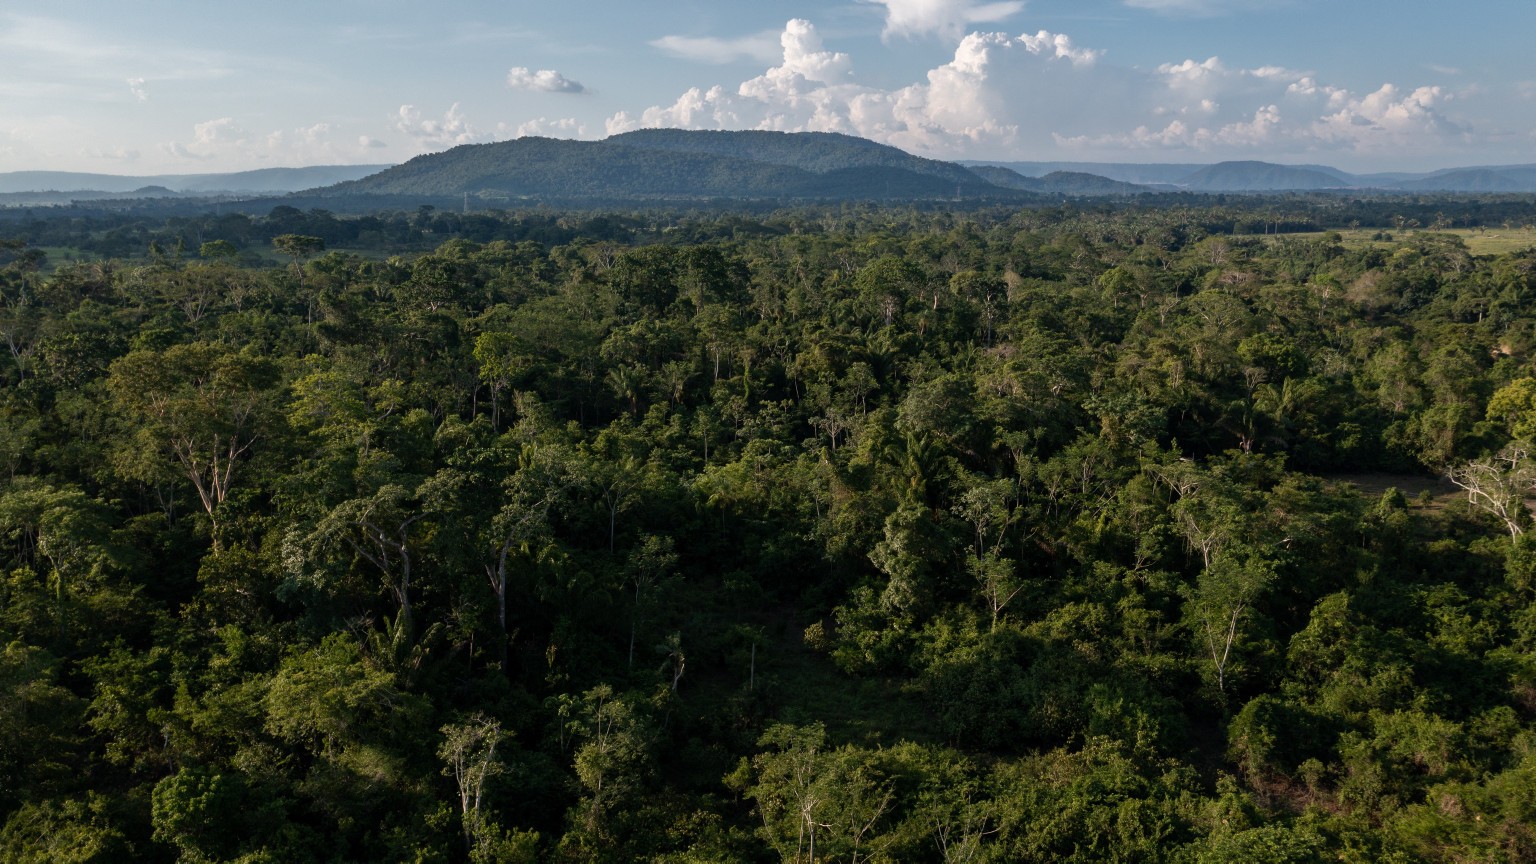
{"x": 856, "y": 534}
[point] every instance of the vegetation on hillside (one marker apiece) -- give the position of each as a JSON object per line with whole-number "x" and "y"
{"x": 672, "y": 163}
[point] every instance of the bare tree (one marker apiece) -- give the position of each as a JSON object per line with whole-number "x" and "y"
{"x": 469, "y": 749}
{"x": 1500, "y": 485}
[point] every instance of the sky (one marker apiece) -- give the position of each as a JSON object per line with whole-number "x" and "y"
{"x": 189, "y": 86}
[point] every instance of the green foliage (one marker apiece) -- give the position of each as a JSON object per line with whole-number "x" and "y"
{"x": 68, "y": 832}
{"x": 900, "y": 534}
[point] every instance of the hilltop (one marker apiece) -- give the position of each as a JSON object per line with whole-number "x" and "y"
{"x": 678, "y": 164}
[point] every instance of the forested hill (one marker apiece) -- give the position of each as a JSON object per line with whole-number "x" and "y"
{"x": 1261, "y": 176}
{"x": 677, "y": 164}
{"x": 1070, "y": 183}
{"x": 818, "y": 152}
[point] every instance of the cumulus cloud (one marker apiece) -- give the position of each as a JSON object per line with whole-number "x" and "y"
{"x": 543, "y": 80}
{"x": 209, "y": 139}
{"x": 993, "y": 84}
{"x": 1058, "y": 46}
{"x": 306, "y": 139}
{"x": 946, "y": 18}
{"x": 1387, "y": 118}
{"x": 789, "y": 96}
{"x": 545, "y": 127}
{"x": 762, "y": 47}
{"x": 221, "y": 131}
{"x": 139, "y": 89}
{"x": 225, "y": 140}
{"x": 368, "y": 142}
{"x": 452, "y": 130}
{"x": 1041, "y": 95}
{"x": 1294, "y": 114}
{"x": 115, "y": 154}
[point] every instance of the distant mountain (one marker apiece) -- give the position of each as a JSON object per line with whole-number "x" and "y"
{"x": 817, "y": 152}
{"x": 1269, "y": 177}
{"x": 262, "y": 180}
{"x": 1260, "y": 177}
{"x": 1384, "y": 179}
{"x": 1069, "y": 183}
{"x": 1511, "y": 178}
{"x": 1222, "y": 177}
{"x": 276, "y": 179}
{"x": 676, "y": 164}
{"x": 1149, "y": 174}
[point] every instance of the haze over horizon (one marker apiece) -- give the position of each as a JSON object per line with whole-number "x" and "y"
{"x": 166, "y": 87}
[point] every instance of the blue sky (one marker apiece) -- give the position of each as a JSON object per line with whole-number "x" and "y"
{"x": 162, "y": 86}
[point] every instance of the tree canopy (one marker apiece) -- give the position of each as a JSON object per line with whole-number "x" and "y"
{"x": 852, "y": 534}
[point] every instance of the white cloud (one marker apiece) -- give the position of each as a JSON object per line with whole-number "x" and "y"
{"x": 993, "y": 85}
{"x": 1058, "y": 45}
{"x": 211, "y": 138}
{"x": 1316, "y": 117}
{"x": 1043, "y": 96}
{"x": 544, "y": 80}
{"x": 429, "y": 134}
{"x": 139, "y": 89}
{"x": 307, "y": 138}
{"x": 226, "y": 141}
{"x": 545, "y": 127}
{"x": 763, "y": 47}
{"x": 797, "y": 94}
{"x": 1388, "y": 118}
{"x": 215, "y": 132}
{"x": 946, "y": 18}
{"x": 116, "y": 154}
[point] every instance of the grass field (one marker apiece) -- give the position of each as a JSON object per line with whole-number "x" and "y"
{"x": 1433, "y": 492}
{"x": 58, "y": 256}
{"x": 1492, "y": 241}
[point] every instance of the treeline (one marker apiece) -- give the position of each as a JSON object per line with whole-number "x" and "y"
{"x": 858, "y": 534}
{"x": 402, "y": 225}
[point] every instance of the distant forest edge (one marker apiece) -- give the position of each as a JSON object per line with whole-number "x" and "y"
{"x": 389, "y": 225}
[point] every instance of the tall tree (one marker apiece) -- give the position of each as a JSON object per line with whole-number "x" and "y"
{"x": 199, "y": 405}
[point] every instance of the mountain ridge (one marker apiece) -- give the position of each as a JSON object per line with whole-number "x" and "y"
{"x": 677, "y": 164}
{"x": 1262, "y": 176}
{"x": 260, "y": 180}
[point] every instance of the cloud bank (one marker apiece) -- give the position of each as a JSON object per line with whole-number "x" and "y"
{"x": 1041, "y": 95}
{"x": 226, "y": 140}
